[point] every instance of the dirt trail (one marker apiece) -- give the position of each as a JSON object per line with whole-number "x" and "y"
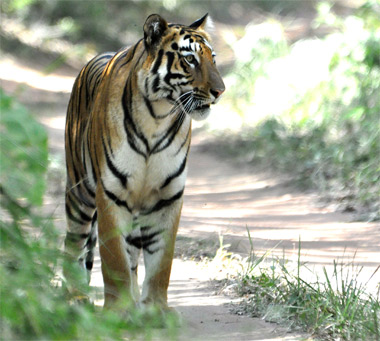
{"x": 227, "y": 199}
{"x": 222, "y": 198}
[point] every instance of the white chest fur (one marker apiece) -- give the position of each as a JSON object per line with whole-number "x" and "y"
{"x": 154, "y": 176}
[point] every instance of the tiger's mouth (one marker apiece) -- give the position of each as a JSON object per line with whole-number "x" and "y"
{"x": 197, "y": 107}
{"x": 200, "y": 113}
{"x": 202, "y": 107}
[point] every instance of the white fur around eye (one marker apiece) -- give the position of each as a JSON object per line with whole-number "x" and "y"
{"x": 191, "y": 59}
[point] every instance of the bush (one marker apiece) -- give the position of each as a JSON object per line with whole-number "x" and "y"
{"x": 33, "y": 303}
{"x": 313, "y": 108}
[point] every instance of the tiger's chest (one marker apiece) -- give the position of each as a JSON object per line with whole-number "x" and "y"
{"x": 155, "y": 172}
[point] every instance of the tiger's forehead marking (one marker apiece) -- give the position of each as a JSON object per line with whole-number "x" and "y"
{"x": 193, "y": 43}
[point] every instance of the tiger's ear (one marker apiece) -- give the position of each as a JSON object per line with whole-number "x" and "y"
{"x": 154, "y": 28}
{"x": 204, "y": 23}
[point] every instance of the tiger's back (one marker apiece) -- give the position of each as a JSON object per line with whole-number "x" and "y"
{"x": 79, "y": 110}
{"x": 128, "y": 135}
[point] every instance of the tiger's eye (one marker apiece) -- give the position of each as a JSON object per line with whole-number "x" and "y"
{"x": 190, "y": 58}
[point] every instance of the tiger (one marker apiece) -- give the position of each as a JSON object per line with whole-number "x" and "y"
{"x": 127, "y": 141}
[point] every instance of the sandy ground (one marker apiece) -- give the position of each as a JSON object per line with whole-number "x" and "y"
{"x": 221, "y": 198}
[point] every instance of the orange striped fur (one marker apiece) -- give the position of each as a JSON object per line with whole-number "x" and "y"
{"x": 127, "y": 139}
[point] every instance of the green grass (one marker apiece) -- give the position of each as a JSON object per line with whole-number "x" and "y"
{"x": 335, "y": 306}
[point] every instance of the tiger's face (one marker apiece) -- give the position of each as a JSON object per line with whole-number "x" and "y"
{"x": 180, "y": 67}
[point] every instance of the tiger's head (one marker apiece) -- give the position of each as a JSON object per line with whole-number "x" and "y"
{"x": 180, "y": 66}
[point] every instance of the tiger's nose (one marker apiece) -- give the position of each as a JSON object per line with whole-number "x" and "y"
{"x": 216, "y": 92}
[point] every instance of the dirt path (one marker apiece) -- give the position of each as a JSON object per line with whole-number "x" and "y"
{"x": 221, "y": 198}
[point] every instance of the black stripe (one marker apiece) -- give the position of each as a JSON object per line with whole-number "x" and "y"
{"x": 76, "y": 237}
{"x": 129, "y": 124}
{"x": 68, "y": 129}
{"x": 151, "y": 252}
{"x": 156, "y": 84}
{"x": 123, "y": 53}
{"x": 176, "y": 174}
{"x": 138, "y": 60}
{"x": 99, "y": 76}
{"x": 96, "y": 158}
{"x": 169, "y": 136}
{"x": 143, "y": 242}
{"x": 186, "y": 48}
{"x": 158, "y": 61}
{"x": 90, "y": 192}
{"x": 136, "y": 241}
{"x": 91, "y": 161}
{"x": 72, "y": 217}
{"x": 164, "y": 203}
{"x": 184, "y": 65}
{"x": 122, "y": 177}
{"x": 169, "y": 75}
{"x": 79, "y": 196}
{"x": 131, "y": 56}
{"x": 83, "y": 216}
{"x": 84, "y": 157}
{"x": 116, "y": 200}
{"x": 184, "y": 142}
{"x": 78, "y": 121}
{"x": 146, "y": 85}
{"x": 77, "y": 176}
{"x": 89, "y": 261}
{"x": 132, "y": 144}
{"x": 91, "y": 242}
{"x": 97, "y": 72}
{"x": 94, "y": 218}
{"x": 99, "y": 58}
{"x": 145, "y": 228}
{"x": 150, "y": 108}
{"x": 85, "y": 182}
{"x": 148, "y": 240}
{"x": 183, "y": 83}
{"x": 138, "y": 134}
{"x": 107, "y": 134}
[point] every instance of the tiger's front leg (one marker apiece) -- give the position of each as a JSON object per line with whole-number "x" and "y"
{"x": 114, "y": 222}
{"x": 158, "y": 238}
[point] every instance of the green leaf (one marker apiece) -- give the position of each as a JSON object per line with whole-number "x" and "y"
{"x": 23, "y": 152}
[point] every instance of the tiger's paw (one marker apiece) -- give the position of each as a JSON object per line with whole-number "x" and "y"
{"x": 74, "y": 296}
{"x": 81, "y": 299}
{"x": 160, "y": 316}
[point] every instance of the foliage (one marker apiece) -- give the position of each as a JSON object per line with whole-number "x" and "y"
{"x": 33, "y": 304}
{"x": 343, "y": 311}
{"x": 333, "y": 307}
{"x": 23, "y": 152}
{"x": 107, "y": 25}
{"x": 315, "y": 111}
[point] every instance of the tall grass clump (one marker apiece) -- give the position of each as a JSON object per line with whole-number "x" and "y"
{"x": 335, "y": 306}
{"x": 313, "y": 108}
{"x": 33, "y": 303}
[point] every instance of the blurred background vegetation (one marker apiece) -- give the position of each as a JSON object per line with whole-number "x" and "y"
{"x": 303, "y": 84}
